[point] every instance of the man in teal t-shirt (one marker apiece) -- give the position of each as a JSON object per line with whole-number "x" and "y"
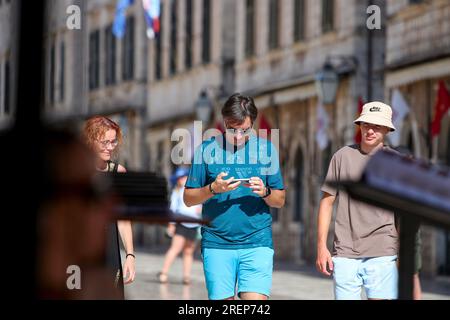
{"x": 237, "y": 246}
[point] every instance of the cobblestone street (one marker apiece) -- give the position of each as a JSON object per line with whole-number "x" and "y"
{"x": 289, "y": 282}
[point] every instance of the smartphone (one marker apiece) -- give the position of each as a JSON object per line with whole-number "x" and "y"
{"x": 245, "y": 180}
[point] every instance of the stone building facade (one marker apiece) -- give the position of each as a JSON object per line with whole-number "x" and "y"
{"x": 269, "y": 49}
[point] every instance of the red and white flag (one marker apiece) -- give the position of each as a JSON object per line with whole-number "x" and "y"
{"x": 440, "y": 109}
{"x": 357, "y": 137}
{"x": 399, "y": 111}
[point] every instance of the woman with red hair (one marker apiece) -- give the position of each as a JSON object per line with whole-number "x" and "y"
{"x": 104, "y": 136}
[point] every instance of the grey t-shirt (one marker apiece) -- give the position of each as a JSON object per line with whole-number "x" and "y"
{"x": 361, "y": 230}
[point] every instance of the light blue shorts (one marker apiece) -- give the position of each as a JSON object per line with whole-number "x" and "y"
{"x": 249, "y": 269}
{"x": 378, "y": 276}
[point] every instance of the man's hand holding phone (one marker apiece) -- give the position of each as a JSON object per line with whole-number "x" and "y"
{"x": 254, "y": 183}
{"x": 257, "y": 186}
{"x": 221, "y": 185}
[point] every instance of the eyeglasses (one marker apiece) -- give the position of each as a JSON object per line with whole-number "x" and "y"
{"x": 374, "y": 127}
{"x": 243, "y": 132}
{"x": 105, "y": 143}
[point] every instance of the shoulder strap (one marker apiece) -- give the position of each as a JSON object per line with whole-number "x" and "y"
{"x": 116, "y": 167}
{"x": 112, "y": 166}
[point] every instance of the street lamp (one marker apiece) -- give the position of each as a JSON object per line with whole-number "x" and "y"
{"x": 327, "y": 82}
{"x": 203, "y": 107}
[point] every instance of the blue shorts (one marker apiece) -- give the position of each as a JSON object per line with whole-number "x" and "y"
{"x": 249, "y": 269}
{"x": 378, "y": 276}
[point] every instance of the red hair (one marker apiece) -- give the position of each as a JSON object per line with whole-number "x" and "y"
{"x": 96, "y": 127}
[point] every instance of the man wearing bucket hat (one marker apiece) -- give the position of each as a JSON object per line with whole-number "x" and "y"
{"x": 365, "y": 237}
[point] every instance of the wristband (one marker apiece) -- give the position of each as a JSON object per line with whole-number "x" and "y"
{"x": 211, "y": 189}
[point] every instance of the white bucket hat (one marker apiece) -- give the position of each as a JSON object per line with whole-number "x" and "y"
{"x": 377, "y": 113}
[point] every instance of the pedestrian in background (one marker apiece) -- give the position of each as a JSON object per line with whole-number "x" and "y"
{"x": 104, "y": 136}
{"x": 184, "y": 235}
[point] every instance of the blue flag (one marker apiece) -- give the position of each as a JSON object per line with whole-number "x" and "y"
{"x": 120, "y": 19}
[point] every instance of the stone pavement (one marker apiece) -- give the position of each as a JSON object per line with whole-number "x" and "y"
{"x": 290, "y": 282}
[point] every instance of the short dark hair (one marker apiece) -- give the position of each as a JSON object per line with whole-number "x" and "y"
{"x": 238, "y": 107}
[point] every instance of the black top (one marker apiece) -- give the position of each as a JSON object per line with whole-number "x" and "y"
{"x": 113, "y": 260}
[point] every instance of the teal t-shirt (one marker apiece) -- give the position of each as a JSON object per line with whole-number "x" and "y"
{"x": 239, "y": 218}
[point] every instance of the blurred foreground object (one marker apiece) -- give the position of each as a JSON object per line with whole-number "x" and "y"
{"x": 72, "y": 224}
{"x": 416, "y": 190}
{"x": 143, "y": 197}
{"x": 77, "y": 206}
{"x": 405, "y": 185}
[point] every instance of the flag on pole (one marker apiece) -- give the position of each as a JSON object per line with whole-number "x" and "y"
{"x": 399, "y": 111}
{"x": 120, "y": 19}
{"x": 440, "y": 109}
{"x": 152, "y": 11}
{"x": 357, "y": 137}
{"x": 264, "y": 124}
{"x": 321, "y": 127}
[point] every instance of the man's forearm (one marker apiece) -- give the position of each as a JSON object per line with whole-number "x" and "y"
{"x": 323, "y": 223}
{"x": 276, "y": 199}
{"x": 196, "y": 196}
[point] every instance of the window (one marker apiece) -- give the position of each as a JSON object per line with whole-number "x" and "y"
{"x": 110, "y": 57}
{"x": 299, "y": 20}
{"x": 206, "y": 43}
{"x": 52, "y": 74}
{"x": 189, "y": 33}
{"x": 7, "y": 87}
{"x": 273, "y": 23}
{"x": 327, "y": 15}
{"x": 94, "y": 59}
{"x": 159, "y": 37}
{"x": 62, "y": 53}
{"x": 128, "y": 50}
{"x": 250, "y": 28}
{"x": 173, "y": 38}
